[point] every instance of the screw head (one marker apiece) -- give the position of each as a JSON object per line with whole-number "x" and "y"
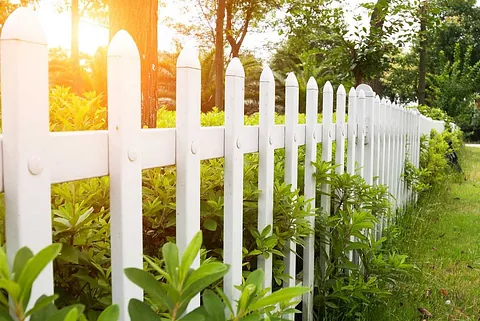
{"x": 194, "y": 148}
{"x": 132, "y": 154}
{"x": 295, "y": 137}
{"x": 35, "y": 165}
{"x": 270, "y": 140}
{"x": 239, "y": 143}
{"x": 314, "y": 135}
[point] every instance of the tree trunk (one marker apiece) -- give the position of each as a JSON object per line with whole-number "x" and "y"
{"x": 219, "y": 55}
{"x": 139, "y": 18}
{"x": 75, "y": 51}
{"x": 422, "y": 68}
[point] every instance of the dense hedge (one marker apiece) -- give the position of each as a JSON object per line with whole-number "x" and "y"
{"x": 80, "y": 214}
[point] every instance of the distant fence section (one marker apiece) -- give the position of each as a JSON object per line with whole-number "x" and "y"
{"x": 377, "y": 139}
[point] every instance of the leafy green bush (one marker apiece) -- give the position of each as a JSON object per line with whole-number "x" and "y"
{"x": 169, "y": 299}
{"x": 344, "y": 289}
{"x": 17, "y": 286}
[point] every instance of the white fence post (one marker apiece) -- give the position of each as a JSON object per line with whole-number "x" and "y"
{"x": 25, "y": 121}
{"x": 340, "y": 130}
{"x": 352, "y": 131}
{"x": 352, "y": 142}
{"x": 382, "y": 143}
{"x": 291, "y": 165}
{"x": 376, "y": 140}
{"x": 125, "y": 167}
{"x": 266, "y": 164}
{"x": 188, "y": 151}
{"x": 369, "y": 132}
{"x": 327, "y": 139}
{"x": 360, "y": 144}
{"x": 310, "y": 192}
{"x": 233, "y": 209}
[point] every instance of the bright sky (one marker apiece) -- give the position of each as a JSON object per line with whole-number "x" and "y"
{"x": 57, "y": 27}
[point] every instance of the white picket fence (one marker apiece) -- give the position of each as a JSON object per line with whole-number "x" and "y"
{"x": 379, "y": 135}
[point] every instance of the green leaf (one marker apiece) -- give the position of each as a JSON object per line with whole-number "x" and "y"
{"x": 140, "y": 311}
{"x": 41, "y": 303}
{"x": 214, "y": 306}
{"x": 34, "y": 266}
{"x": 72, "y": 315}
{"x": 69, "y": 253}
{"x": 189, "y": 256}
{"x": 256, "y": 278}
{"x": 112, "y": 313}
{"x": 63, "y": 313}
{"x": 148, "y": 283}
{"x": 203, "y": 277}
{"x": 21, "y": 258}
{"x": 4, "y": 270}
{"x": 282, "y": 295}
{"x": 195, "y": 315}
{"x": 210, "y": 224}
{"x": 12, "y": 288}
{"x": 170, "y": 255}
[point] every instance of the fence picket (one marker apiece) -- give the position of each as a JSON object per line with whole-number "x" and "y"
{"x": 310, "y": 192}
{"x": 233, "y": 209}
{"x": 266, "y": 164}
{"x": 381, "y": 136}
{"x": 340, "y": 129}
{"x": 125, "y": 167}
{"x": 26, "y": 156}
{"x": 187, "y": 149}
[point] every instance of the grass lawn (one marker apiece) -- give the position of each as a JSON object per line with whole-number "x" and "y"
{"x": 442, "y": 238}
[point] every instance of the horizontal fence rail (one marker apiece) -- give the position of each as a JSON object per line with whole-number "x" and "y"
{"x": 374, "y": 142}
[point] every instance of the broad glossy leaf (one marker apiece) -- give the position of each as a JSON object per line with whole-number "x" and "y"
{"x": 202, "y": 277}
{"x": 282, "y": 295}
{"x": 112, "y": 313}
{"x": 170, "y": 256}
{"x": 63, "y": 313}
{"x": 4, "y": 270}
{"x": 148, "y": 283}
{"x": 41, "y": 303}
{"x": 140, "y": 311}
{"x": 214, "y": 306}
{"x": 72, "y": 315}
{"x": 34, "y": 266}
{"x": 12, "y": 288}
{"x": 21, "y": 258}
{"x": 195, "y": 315}
{"x": 189, "y": 255}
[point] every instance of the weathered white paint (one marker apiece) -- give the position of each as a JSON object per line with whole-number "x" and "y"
{"x": 124, "y": 124}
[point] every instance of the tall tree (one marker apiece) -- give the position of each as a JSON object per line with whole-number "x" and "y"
{"x": 140, "y": 19}
{"x": 422, "y": 68}
{"x": 219, "y": 54}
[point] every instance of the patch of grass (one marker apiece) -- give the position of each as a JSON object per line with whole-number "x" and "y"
{"x": 441, "y": 235}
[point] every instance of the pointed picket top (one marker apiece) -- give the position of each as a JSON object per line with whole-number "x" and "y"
{"x": 267, "y": 75}
{"x": 122, "y": 44}
{"x": 361, "y": 94}
{"x": 235, "y": 68}
{"x": 341, "y": 91}
{"x": 328, "y": 87}
{"x": 352, "y": 93}
{"x": 291, "y": 80}
{"x": 312, "y": 84}
{"x": 24, "y": 25}
{"x": 188, "y": 58}
{"x": 377, "y": 100}
{"x": 383, "y": 101}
